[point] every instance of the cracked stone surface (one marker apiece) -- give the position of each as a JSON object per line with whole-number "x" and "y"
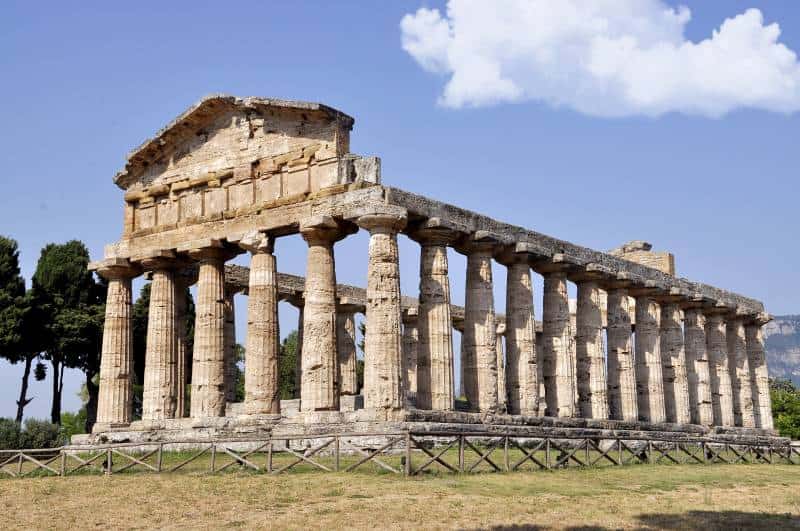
{"x": 759, "y": 376}
{"x": 557, "y": 366}
{"x": 721, "y": 391}
{"x": 521, "y": 363}
{"x": 741, "y": 389}
{"x": 116, "y": 365}
{"x": 346, "y": 347}
{"x": 158, "y": 399}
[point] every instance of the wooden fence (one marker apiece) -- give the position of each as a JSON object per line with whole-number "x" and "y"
{"x": 403, "y": 453}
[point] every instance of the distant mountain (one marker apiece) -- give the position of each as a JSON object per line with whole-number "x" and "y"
{"x": 782, "y": 339}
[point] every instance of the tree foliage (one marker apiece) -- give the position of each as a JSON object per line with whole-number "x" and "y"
{"x": 785, "y": 407}
{"x": 288, "y": 361}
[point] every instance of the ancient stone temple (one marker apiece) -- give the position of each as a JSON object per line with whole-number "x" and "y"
{"x": 640, "y": 350}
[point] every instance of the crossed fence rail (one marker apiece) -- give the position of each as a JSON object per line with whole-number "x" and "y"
{"x": 403, "y": 453}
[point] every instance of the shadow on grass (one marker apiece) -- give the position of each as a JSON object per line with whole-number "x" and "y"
{"x": 705, "y": 520}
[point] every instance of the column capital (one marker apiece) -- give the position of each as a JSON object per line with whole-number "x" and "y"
{"x": 759, "y": 319}
{"x": 115, "y": 269}
{"x": 321, "y": 229}
{"x": 161, "y": 260}
{"x": 481, "y": 242}
{"x": 410, "y": 315}
{"x": 257, "y": 243}
{"x": 383, "y": 222}
{"x": 557, "y": 263}
{"x": 436, "y": 231}
{"x": 208, "y": 249}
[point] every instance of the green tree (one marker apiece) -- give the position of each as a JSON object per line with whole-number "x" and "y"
{"x": 785, "y": 407}
{"x": 72, "y": 306}
{"x": 287, "y": 366}
{"x": 20, "y": 320}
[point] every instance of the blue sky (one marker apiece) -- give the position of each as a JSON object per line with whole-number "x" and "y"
{"x": 86, "y": 83}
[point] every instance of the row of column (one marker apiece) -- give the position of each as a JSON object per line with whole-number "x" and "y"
{"x": 708, "y": 370}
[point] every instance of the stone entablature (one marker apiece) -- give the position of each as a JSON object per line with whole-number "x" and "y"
{"x": 696, "y": 355}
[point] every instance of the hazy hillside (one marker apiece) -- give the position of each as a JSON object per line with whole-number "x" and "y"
{"x": 782, "y": 338}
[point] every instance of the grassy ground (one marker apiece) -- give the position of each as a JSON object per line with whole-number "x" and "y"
{"x": 641, "y": 496}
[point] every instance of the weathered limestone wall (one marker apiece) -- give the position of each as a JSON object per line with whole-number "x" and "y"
{"x": 262, "y": 370}
{"x": 740, "y": 374}
{"x": 721, "y": 392}
{"x": 521, "y": 362}
{"x": 697, "y": 364}
{"x": 116, "y": 361}
{"x": 557, "y": 366}
{"x": 673, "y": 361}
{"x": 591, "y": 372}
{"x": 622, "y": 394}
{"x": 649, "y": 375}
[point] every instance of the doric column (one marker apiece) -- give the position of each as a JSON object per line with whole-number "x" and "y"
{"x": 261, "y": 367}
{"x": 673, "y": 362}
{"x": 410, "y": 347}
{"x": 208, "y": 365}
{"x": 502, "y": 394}
{"x": 319, "y": 388}
{"x": 591, "y": 370}
{"x": 721, "y": 392}
{"x": 182, "y": 360}
{"x": 435, "y": 382}
{"x": 521, "y": 371}
{"x": 622, "y": 396}
{"x": 346, "y": 349}
{"x": 698, "y": 377}
{"x": 114, "y": 406}
{"x": 739, "y": 367}
{"x": 298, "y": 362}
{"x": 230, "y": 344}
{"x": 758, "y": 372}
{"x": 159, "y": 397}
{"x": 478, "y": 343}
{"x": 557, "y": 370}
{"x": 383, "y": 378}
{"x": 649, "y": 375}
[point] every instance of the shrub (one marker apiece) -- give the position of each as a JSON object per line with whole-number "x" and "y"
{"x": 40, "y": 434}
{"x": 73, "y": 424}
{"x": 9, "y": 434}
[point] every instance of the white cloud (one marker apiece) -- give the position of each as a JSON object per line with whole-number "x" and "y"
{"x": 602, "y": 57}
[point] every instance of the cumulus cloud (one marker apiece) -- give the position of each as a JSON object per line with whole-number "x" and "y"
{"x": 601, "y": 57}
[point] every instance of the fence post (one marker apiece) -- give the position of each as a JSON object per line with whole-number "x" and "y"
{"x": 586, "y": 443}
{"x": 461, "y": 464}
{"x": 547, "y": 453}
{"x": 109, "y": 462}
{"x": 63, "y": 463}
{"x": 649, "y": 452}
{"x": 619, "y": 450}
{"x": 160, "y": 456}
{"x": 336, "y": 452}
{"x": 213, "y": 457}
{"x": 505, "y": 455}
{"x": 269, "y": 456}
{"x": 19, "y": 464}
{"x": 408, "y": 468}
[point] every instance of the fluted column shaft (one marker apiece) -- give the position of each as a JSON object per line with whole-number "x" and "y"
{"x": 261, "y": 368}
{"x": 346, "y": 348}
{"x": 759, "y": 376}
{"x": 522, "y": 381}
{"x": 479, "y": 341}
{"x": 673, "y": 361}
{"x": 622, "y": 396}
{"x": 502, "y": 393}
{"x": 208, "y": 367}
{"x": 697, "y": 367}
{"x": 721, "y": 391}
{"x": 559, "y": 378}
{"x": 159, "y": 398}
{"x": 230, "y": 346}
{"x": 410, "y": 348}
{"x": 383, "y": 378}
{"x": 435, "y": 383}
{"x": 182, "y": 356}
{"x": 649, "y": 375}
{"x": 319, "y": 388}
{"x": 739, "y": 367}
{"x": 114, "y": 406}
{"x": 590, "y": 355}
